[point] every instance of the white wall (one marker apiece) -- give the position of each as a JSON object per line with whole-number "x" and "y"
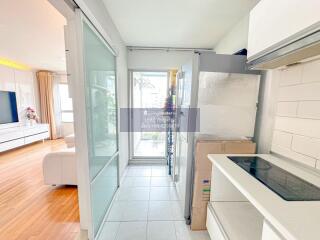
{"x": 236, "y": 39}
{"x": 97, "y": 9}
{"x": 296, "y": 132}
{"x": 24, "y": 84}
{"x": 157, "y": 59}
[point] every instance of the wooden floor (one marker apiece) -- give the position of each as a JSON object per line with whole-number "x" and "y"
{"x": 28, "y": 208}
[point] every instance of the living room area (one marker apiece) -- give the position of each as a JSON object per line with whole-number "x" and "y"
{"x": 38, "y": 191}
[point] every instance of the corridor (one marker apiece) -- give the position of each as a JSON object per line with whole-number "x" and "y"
{"x": 147, "y": 208}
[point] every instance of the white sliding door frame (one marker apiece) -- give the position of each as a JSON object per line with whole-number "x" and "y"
{"x": 143, "y": 159}
{"x": 76, "y": 79}
{"x": 70, "y": 9}
{"x": 81, "y": 128}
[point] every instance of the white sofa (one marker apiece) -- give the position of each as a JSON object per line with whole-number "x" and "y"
{"x": 60, "y": 168}
{"x": 69, "y": 140}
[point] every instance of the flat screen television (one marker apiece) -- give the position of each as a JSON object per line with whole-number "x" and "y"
{"x": 8, "y": 107}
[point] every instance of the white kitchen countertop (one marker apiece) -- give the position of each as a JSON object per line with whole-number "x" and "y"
{"x": 293, "y": 219}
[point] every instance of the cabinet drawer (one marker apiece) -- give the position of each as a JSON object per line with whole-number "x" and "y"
{"x": 214, "y": 229}
{"x": 30, "y": 131}
{"x": 10, "y": 135}
{"x": 12, "y": 144}
{"x": 36, "y": 138}
{"x": 268, "y": 232}
{"x": 34, "y": 130}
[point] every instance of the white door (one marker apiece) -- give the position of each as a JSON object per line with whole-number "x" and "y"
{"x": 148, "y": 91}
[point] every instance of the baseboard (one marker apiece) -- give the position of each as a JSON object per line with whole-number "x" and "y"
{"x": 148, "y": 162}
{"x": 83, "y": 235}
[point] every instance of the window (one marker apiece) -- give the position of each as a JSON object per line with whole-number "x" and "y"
{"x": 65, "y": 103}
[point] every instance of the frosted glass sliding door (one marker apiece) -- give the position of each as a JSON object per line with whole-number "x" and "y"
{"x": 91, "y": 66}
{"x": 101, "y": 119}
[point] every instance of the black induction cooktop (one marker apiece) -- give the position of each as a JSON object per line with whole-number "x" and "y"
{"x": 280, "y": 181}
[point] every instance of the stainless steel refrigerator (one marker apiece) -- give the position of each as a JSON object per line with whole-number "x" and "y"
{"x": 216, "y": 95}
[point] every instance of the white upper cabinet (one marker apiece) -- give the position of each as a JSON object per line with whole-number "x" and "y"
{"x": 273, "y": 21}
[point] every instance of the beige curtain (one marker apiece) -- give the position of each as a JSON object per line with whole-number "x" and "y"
{"x": 173, "y": 77}
{"x": 45, "y": 82}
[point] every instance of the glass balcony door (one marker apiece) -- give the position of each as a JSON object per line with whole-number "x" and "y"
{"x": 149, "y": 90}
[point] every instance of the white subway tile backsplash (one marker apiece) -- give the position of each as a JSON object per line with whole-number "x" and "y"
{"x": 301, "y": 92}
{"x": 287, "y": 109}
{"x": 309, "y": 109}
{"x": 282, "y": 139}
{"x": 293, "y": 155}
{"x": 299, "y": 126}
{"x": 291, "y": 76}
{"x": 307, "y": 146}
{"x": 311, "y": 72}
{"x": 297, "y": 122}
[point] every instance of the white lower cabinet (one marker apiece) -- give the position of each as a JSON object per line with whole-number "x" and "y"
{"x": 37, "y": 137}
{"x": 11, "y": 144}
{"x": 268, "y": 232}
{"x": 14, "y": 137}
{"x": 234, "y": 221}
{"x": 214, "y": 227}
{"x": 6, "y": 136}
{"x": 231, "y": 216}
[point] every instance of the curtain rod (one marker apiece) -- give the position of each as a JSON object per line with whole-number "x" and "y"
{"x": 132, "y": 48}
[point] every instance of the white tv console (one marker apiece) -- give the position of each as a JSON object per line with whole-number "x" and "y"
{"x": 14, "y": 137}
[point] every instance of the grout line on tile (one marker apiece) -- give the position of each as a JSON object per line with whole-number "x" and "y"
{"x": 117, "y": 232}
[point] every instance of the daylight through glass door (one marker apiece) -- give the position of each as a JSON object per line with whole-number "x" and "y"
{"x": 149, "y": 91}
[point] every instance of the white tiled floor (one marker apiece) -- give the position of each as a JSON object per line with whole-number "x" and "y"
{"x": 147, "y": 208}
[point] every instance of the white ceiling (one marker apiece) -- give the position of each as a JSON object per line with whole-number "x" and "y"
{"x": 31, "y": 32}
{"x": 176, "y": 23}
